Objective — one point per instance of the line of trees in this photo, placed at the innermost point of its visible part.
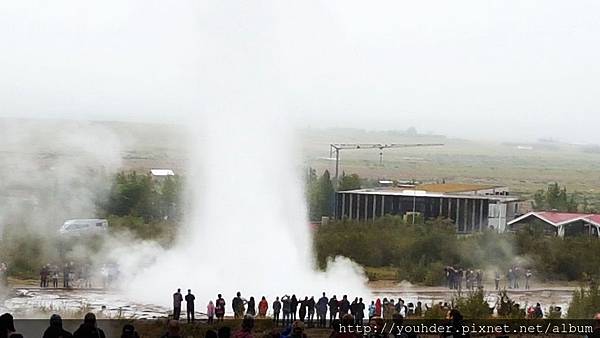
(320, 192)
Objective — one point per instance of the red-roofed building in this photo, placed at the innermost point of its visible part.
(561, 223)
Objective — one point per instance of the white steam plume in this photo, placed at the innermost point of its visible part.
(248, 230)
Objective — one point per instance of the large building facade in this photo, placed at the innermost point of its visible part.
(471, 208)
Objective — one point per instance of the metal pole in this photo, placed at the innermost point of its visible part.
(414, 206)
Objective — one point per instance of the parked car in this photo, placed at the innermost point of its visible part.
(78, 227)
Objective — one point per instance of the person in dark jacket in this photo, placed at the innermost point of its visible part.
(189, 302)
(55, 330)
(238, 306)
(89, 328)
(251, 311)
(321, 308)
(333, 309)
(286, 307)
(302, 313)
(177, 300)
(360, 312)
(293, 307)
(344, 306)
(276, 311)
(311, 310)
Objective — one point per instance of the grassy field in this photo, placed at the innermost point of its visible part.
(524, 167)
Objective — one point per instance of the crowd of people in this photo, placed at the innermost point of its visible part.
(76, 275)
(460, 279)
(288, 309)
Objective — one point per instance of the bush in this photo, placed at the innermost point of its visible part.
(585, 302)
(473, 306)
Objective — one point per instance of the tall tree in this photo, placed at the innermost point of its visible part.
(554, 197)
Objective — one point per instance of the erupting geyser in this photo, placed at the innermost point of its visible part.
(247, 229)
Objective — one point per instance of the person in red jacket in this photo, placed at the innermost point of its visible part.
(263, 306)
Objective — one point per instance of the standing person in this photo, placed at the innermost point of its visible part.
(293, 307)
(220, 308)
(371, 310)
(66, 276)
(263, 307)
(251, 308)
(55, 277)
(55, 330)
(459, 280)
(344, 306)
(177, 299)
(497, 280)
(333, 309)
(511, 278)
(276, 311)
(302, 312)
(517, 275)
(89, 328)
(353, 307)
(44, 277)
(210, 311)
(287, 309)
(189, 306)
(479, 279)
(527, 277)
(322, 311)
(360, 312)
(311, 310)
(378, 307)
(238, 306)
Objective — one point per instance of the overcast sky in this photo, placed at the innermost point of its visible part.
(509, 69)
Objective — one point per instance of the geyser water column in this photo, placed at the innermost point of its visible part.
(247, 229)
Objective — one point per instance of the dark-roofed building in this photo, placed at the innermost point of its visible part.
(471, 207)
(561, 224)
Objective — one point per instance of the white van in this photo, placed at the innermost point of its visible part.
(84, 227)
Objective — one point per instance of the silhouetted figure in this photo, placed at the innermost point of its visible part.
(286, 309)
(293, 307)
(302, 312)
(310, 306)
(220, 308)
(276, 311)
(238, 306)
(344, 306)
(360, 312)
(251, 307)
(7, 326)
(89, 328)
(55, 330)
(333, 309)
(189, 306)
(321, 308)
(129, 332)
(177, 299)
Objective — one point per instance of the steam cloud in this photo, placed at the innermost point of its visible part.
(248, 230)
